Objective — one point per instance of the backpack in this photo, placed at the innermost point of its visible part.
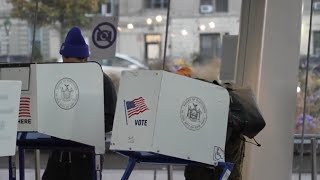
(244, 115)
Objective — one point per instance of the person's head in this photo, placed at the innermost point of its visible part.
(74, 48)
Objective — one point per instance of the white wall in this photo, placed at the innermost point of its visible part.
(54, 44)
(186, 45)
(184, 8)
(271, 69)
(131, 44)
(18, 38)
(234, 6)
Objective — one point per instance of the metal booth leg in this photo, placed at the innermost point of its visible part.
(227, 169)
(37, 164)
(21, 162)
(23, 136)
(98, 166)
(170, 172)
(129, 169)
(12, 167)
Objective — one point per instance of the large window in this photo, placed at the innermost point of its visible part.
(316, 6)
(156, 4)
(206, 2)
(217, 5)
(33, 30)
(316, 42)
(307, 122)
(107, 7)
(210, 45)
(221, 5)
(153, 46)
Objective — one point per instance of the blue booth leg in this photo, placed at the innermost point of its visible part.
(21, 163)
(129, 169)
(227, 169)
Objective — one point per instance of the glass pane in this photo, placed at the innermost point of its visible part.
(195, 38)
(210, 46)
(153, 51)
(120, 62)
(308, 99)
(221, 6)
(15, 34)
(316, 42)
(206, 2)
(156, 4)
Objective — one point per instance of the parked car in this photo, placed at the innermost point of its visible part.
(115, 65)
(121, 62)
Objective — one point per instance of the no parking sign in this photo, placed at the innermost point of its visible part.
(103, 38)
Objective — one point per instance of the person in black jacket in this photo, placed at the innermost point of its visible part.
(76, 165)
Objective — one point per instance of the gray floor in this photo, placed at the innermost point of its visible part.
(114, 165)
(115, 161)
(113, 175)
(136, 175)
(112, 161)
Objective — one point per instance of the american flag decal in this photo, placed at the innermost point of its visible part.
(135, 106)
(24, 111)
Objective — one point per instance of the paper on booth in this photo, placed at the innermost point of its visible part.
(10, 92)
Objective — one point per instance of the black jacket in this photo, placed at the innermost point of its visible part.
(110, 100)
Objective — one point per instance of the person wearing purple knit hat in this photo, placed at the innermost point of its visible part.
(74, 48)
(78, 165)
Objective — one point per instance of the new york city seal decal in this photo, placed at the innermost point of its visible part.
(193, 113)
(66, 93)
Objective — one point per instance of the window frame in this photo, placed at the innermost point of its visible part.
(151, 4)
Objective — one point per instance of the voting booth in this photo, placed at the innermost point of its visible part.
(167, 118)
(9, 109)
(61, 101)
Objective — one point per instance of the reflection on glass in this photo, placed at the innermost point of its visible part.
(312, 121)
(138, 21)
(39, 26)
(197, 29)
(308, 91)
(196, 35)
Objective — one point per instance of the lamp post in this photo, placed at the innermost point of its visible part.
(7, 26)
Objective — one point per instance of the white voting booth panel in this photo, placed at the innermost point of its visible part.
(27, 122)
(66, 101)
(10, 92)
(172, 115)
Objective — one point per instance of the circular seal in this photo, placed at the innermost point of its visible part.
(193, 113)
(66, 93)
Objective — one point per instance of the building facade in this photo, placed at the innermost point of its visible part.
(195, 27)
(16, 38)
